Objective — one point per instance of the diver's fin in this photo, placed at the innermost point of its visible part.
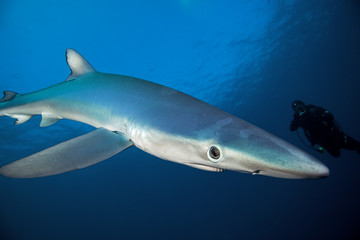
(203, 167)
(76, 153)
(8, 95)
(77, 64)
(20, 118)
(48, 119)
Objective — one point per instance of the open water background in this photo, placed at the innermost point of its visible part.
(250, 58)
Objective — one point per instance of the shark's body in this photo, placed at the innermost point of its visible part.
(159, 120)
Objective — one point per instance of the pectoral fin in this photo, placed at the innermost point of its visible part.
(73, 154)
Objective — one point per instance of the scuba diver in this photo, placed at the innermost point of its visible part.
(321, 129)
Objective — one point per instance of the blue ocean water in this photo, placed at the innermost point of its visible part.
(250, 58)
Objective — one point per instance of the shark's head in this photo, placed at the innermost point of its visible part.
(233, 144)
(239, 146)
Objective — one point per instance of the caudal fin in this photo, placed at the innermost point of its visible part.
(8, 95)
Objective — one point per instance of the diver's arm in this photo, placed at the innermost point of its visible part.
(294, 124)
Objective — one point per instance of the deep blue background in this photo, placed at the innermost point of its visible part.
(250, 58)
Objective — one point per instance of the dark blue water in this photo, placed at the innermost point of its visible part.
(250, 58)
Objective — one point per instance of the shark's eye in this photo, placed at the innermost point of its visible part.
(214, 154)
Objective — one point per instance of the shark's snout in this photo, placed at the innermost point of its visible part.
(258, 152)
(305, 168)
(281, 159)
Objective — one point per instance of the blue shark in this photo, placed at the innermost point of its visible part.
(159, 120)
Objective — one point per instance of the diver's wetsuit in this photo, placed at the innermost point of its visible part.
(320, 129)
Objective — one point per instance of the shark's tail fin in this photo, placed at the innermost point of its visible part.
(8, 95)
(20, 118)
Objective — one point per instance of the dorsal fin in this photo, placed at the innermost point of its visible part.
(8, 95)
(77, 64)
